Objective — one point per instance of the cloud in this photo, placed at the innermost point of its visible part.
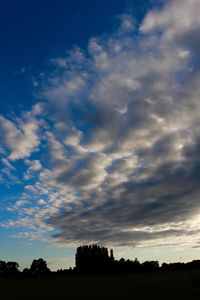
(7, 164)
(33, 166)
(122, 141)
(21, 139)
(177, 18)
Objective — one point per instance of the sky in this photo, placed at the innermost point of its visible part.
(99, 129)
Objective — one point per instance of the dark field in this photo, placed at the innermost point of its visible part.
(167, 285)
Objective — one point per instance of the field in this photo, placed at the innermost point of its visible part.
(168, 285)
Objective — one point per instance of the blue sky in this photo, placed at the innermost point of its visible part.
(99, 129)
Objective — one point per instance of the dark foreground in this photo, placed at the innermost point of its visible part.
(166, 285)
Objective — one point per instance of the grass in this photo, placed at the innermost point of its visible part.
(168, 285)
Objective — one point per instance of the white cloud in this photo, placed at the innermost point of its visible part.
(8, 164)
(35, 165)
(177, 18)
(37, 109)
(41, 202)
(21, 138)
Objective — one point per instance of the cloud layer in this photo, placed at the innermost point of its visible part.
(120, 145)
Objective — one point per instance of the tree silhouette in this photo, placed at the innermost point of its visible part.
(11, 268)
(150, 266)
(93, 258)
(2, 267)
(39, 267)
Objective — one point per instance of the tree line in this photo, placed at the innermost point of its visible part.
(94, 259)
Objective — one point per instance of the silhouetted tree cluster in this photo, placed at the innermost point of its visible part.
(9, 268)
(129, 266)
(38, 267)
(94, 259)
(178, 266)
